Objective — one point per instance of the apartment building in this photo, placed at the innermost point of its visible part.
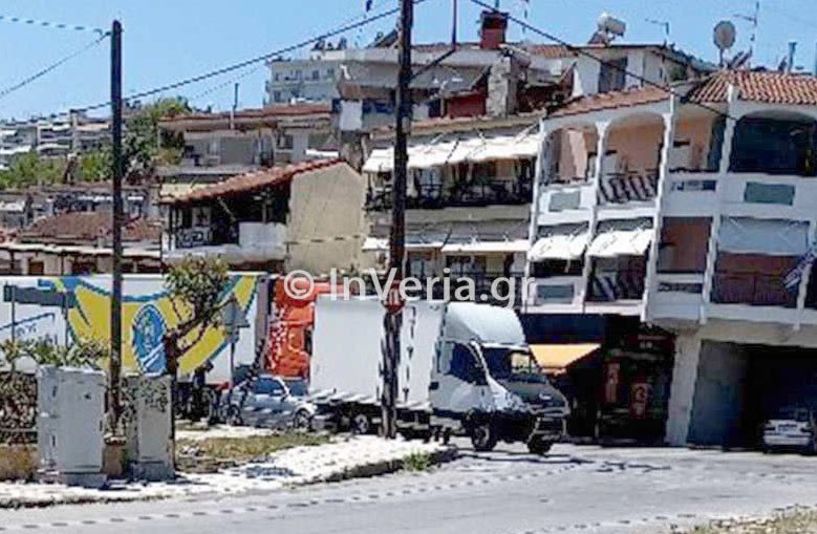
(301, 216)
(310, 79)
(475, 78)
(677, 218)
(53, 136)
(221, 145)
(469, 193)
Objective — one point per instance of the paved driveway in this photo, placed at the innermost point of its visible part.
(575, 489)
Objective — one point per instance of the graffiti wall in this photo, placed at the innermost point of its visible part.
(67, 308)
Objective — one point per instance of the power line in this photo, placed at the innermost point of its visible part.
(246, 63)
(39, 74)
(580, 51)
(52, 25)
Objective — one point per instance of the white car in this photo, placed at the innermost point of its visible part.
(790, 429)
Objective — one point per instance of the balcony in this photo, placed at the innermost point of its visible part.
(616, 286)
(241, 242)
(632, 186)
(753, 289)
(518, 191)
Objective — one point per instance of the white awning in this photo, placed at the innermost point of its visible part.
(380, 244)
(506, 147)
(374, 244)
(559, 247)
(474, 149)
(476, 247)
(432, 155)
(621, 243)
(380, 160)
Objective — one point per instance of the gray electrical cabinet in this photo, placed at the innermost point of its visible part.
(70, 425)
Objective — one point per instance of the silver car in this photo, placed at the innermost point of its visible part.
(267, 401)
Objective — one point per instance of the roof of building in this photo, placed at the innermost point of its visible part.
(254, 181)
(89, 226)
(610, 100)
(758, 86)
(269, 115)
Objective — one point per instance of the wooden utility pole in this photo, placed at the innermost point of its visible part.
(115, 365)
(393, 321)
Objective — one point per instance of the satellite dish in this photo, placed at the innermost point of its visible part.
(724, 35)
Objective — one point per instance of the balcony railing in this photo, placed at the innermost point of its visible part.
(620, 188)
(617, 285)
(754, 289)
(437, 196)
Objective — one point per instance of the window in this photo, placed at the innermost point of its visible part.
(554, 267)
(612, 75)
(316, 74)
(276, 96)
(684, 245)
(774, 146)
(330, 73)
(268, 386)
(464, 365)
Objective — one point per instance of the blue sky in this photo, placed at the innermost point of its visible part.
(166, 40)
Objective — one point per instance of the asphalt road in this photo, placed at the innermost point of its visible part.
(574, 489)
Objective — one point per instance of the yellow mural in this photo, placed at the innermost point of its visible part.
(145, 319)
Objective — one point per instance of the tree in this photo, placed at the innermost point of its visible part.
(31, 169)
(45, 351)
(94, 166)
(145, 144)
(195, 287)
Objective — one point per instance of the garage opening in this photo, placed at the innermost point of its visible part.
(740, 387)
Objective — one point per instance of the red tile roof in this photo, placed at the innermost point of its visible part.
(89, 226)
(254, 181)
(550, 51)
(765, 87)
(611, 100)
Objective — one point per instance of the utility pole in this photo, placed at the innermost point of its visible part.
(115, 365)
(393, 320)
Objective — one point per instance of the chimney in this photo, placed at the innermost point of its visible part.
(790, 58)
(493, 25)
(503, 85)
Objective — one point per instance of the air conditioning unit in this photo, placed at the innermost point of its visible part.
(70, 419)
(147, 421)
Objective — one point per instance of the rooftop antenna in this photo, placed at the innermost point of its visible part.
(754, 18)
(664, 24)
(724, 37)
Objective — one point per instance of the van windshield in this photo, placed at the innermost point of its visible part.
(506, 363)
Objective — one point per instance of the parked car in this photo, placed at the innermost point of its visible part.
(267, 401)
(791, 428)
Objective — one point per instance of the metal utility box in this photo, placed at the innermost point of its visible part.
(70, 425)
(147, 421)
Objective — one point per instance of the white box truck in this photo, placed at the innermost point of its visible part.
(465, 369)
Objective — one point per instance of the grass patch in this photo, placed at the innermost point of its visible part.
(797, 521)
(211, 454)
(417, 462)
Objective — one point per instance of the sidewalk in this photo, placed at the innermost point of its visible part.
(344, 457)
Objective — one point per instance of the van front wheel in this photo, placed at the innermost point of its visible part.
(483, 437)
(539, 446)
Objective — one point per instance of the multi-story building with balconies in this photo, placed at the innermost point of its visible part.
(687, 218)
